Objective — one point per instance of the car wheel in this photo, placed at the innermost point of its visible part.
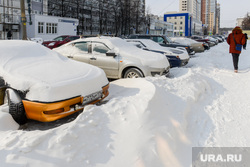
(133, 73)
(16, 108)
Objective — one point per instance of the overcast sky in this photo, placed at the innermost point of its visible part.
(230, 9)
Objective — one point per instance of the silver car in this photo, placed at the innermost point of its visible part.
(116, 57)
(196, 46)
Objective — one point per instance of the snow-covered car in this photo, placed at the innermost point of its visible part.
(215, 41)
(40, 84)
(196, 46)
(116, 57)
(176, 57)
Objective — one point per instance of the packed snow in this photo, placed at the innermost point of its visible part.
(147, 122)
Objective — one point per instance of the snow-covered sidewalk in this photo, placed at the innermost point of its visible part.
(153, 121)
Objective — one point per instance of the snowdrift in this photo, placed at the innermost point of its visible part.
(153, 121)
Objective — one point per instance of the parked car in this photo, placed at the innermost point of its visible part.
(197, 46)
(218, 38)
(40, 84)
(163, 40)
(58, 41)
(203, 40)
(116, 57)
(215, 41)
(176, 57)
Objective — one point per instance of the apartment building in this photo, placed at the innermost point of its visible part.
(194, 8)
(10, 12)
(102, 16)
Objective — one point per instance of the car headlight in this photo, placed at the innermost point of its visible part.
(51, 44)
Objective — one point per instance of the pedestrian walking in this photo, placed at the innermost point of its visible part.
(9, 35)
(236, 40)
(245, 45)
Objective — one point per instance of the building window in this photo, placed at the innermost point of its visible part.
(40, 27)
(175, 17)
(175, 23)
(37, 0)
(181, 22)
(175, 28)
(51, 28)
(180, 28)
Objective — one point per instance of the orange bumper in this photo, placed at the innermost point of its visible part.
(47, 112)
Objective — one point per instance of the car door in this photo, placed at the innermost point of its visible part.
(80, 52)
(110, 64)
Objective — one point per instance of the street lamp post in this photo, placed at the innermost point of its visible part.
(23, 20)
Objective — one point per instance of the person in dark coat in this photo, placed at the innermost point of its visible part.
(245, 45)
(239, 38)
(9, 34)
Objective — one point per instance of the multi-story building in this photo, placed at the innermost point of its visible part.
(10, 12)
(102, 16)
(191, 6)
(194, 8)
(210, 15)
(182, 23)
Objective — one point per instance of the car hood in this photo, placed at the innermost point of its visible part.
(151, 59)
(173, 52)
(45, 74)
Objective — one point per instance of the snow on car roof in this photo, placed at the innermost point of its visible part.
(182, 40)
(26, 65)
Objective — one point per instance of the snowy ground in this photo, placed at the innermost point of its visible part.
(149, 122)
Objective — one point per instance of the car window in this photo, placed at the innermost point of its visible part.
(99, 48)
(83, 46)
(168, 39)
(158, 39)
(73, 38)
(137, 44)
(61, 38)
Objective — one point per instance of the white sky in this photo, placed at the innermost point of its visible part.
(230, 9)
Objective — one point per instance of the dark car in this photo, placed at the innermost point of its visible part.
(163, 40)
(58, 41)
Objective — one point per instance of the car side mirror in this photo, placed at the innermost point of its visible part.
(111, 54)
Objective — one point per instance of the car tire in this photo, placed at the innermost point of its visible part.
(16, 110)
(133, 73)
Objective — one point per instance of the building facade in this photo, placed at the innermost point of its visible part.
(210, 16)
(194, 8)
(49, 27)
(160, 27)
(102, 16)
(10, 12)
(182, 23)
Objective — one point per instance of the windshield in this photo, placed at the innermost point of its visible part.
(61, 38)
(168, 39)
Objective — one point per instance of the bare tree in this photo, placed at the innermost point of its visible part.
(246, 23)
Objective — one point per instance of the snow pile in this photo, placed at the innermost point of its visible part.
(153, 121)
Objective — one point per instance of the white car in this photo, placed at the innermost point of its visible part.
(176, 57)
(40, 84)
(196, 46)
(116, 57)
